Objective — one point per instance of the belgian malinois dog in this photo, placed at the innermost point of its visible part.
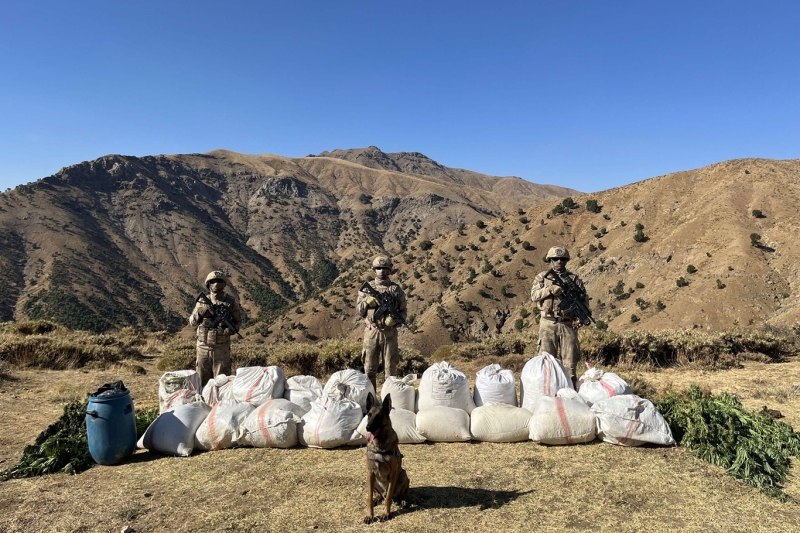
(385, 474)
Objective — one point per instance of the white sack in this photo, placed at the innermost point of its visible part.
(172, 433)
(499, 422)
(542, 376)
(444, 385)
(596, 385)
(443, 424)
(562, 420)
(257, 384)
(494, 384)
(270, 427)
(284, 405)
(303, 391)
(404, 423)
(218, 389)
(402, 391)
(178, 398)
(331, 422)
(350, 384)
(224, 426)
(171, 383)
(631, 421)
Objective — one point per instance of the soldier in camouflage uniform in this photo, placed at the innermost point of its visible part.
(380, 339)
(214, 344)
(558, 333)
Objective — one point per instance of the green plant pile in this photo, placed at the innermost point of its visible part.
(62, 447)
(751, 446)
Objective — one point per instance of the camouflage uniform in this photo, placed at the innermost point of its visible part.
(380, 340)
(214, 345)
(558, 333)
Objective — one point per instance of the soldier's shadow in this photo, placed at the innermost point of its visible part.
(456, 497)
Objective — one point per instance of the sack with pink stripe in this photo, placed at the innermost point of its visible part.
(543, 375)
(271, 427)
(596, 385)
(176, 388)
(628, 420)
(331, 422)
(218, 389)
(257, 384)
(224, 426)
(564, 419)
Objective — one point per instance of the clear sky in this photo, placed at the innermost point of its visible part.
(584, 94)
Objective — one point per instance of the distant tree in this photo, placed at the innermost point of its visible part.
(425, 245)
(755, 239)
(720, 285)
(480, 224)
(758, 214)
(593, 207)
(601, 325)
(639, 236)
(364, 198)
(569, 203)
(520, 211)
(524, 220)
(691, 269)
(636, 207)
(660, 305)
(634, 318)
(681, 282)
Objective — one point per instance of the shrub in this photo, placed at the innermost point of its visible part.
(569, 203)
(634, 318)
(593, 207)
(592, 248)
(601, 325)
(720, 285)
(364, 198)
(639, 226)
(636, 207)
(480, 224)
(425, 245)
(606, 217)
(691, 269)
(481, 238)
(755, 239)
(639, 236)
(758, 214)
(518, 324)
(593, 227)
(639, 285)
(681, 282)
(660, 305)
(524, 220)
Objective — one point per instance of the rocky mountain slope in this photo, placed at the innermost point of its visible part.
(127, 240)
(707, 248)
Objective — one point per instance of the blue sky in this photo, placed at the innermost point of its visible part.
(589, 95)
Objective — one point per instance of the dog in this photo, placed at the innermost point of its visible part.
(385, 473)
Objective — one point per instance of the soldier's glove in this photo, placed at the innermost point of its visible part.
(389, 321)
(556, 290)
(372, 302)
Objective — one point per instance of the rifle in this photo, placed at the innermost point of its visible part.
(572, 301)
(386, 304)
(220, 314)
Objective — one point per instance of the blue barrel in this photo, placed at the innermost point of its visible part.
(111, 427)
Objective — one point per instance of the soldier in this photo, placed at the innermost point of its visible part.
(380, 338)
(558, 333)
(214, 345)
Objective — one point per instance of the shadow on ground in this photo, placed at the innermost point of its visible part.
(456, 497)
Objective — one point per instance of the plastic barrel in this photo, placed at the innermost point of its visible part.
(111, 427)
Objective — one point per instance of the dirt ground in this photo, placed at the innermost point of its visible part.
(455, 487)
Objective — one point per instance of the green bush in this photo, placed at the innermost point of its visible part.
(425, 245)
(593, 207)
(691, 269)
(681, 282)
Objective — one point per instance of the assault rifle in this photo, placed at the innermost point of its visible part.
(572, 302)
(220, 314)
(387, 305)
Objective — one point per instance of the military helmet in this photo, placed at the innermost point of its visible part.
(557, 252)
(382, 262)
(216, 274)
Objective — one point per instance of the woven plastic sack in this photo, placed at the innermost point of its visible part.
(596, 385)
(350, 384)
(543, 375)
(443, 424)
(218, 389)
(284, 405)
(303, 391)
(224, 426)
(269, 427)
(173, 432)
(628, 420)
(494, 384)
(331, 422)
(402, 391)
(404, 424)
(257, 384)
(174, 388)
(565, 419)
(444, 385)
(499, 422)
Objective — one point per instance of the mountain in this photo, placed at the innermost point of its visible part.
(727, 231)
(127, 240)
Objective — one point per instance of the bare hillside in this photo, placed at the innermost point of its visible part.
(471, 283)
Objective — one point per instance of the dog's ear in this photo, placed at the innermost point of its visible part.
(386, 407)
(370, 401)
